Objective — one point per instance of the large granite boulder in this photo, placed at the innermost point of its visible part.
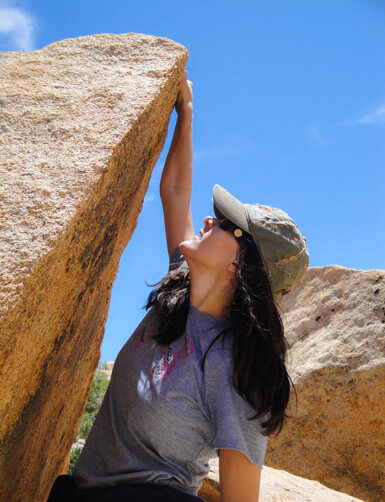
(335, 324)
(83, 122)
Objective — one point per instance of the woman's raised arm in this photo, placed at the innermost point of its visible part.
(176, 181)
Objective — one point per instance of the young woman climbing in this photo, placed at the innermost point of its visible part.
(204, 372)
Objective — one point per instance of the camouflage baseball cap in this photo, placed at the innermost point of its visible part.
(280, 243)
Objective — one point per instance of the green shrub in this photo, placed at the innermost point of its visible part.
(95, 398)
(75, 454)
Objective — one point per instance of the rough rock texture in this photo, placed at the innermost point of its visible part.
(83, 122)
(335, 324)
(277, 486)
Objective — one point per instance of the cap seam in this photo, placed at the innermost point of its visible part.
(274, 223)
(288, 260)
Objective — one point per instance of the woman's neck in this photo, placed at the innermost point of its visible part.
(210, 295)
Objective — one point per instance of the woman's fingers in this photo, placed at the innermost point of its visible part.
(185, 95)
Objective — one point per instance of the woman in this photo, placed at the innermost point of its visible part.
(204, 372)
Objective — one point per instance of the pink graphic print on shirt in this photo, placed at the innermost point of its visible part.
(162, 369)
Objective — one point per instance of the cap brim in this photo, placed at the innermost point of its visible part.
(230, 207)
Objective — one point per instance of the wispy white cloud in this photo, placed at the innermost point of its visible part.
(213, 152)
(316, 135)
(376, 116)
(148, 198)
(235, 145)
(18, 25)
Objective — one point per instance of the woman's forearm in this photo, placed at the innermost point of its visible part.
(177, 170)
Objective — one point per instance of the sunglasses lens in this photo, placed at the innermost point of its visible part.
(231, 227)
(225, 224)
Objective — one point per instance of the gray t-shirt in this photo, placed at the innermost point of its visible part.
(162, 419)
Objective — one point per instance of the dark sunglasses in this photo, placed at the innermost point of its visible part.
(225, 224)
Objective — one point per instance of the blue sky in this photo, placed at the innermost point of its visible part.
(289, 111)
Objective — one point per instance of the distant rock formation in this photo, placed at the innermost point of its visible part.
(83, 123)
(335, 324)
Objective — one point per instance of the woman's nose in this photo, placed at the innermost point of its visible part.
(208, 222)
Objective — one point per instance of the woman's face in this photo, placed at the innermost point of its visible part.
(216, 248)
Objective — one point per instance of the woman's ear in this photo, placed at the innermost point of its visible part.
(232, 267)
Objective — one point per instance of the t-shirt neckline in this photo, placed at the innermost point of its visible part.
(206, 318)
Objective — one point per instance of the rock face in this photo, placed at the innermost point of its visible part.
(335, 323)
(277, 486)
(83, 122)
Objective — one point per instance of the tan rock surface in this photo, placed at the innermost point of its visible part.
(335, 324)
(83, 122)
(277, 486)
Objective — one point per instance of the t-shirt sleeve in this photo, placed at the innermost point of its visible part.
(176, 259)
(228, 412)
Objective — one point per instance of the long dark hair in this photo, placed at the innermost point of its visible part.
(259, 345)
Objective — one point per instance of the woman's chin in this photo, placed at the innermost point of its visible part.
(189, 244)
